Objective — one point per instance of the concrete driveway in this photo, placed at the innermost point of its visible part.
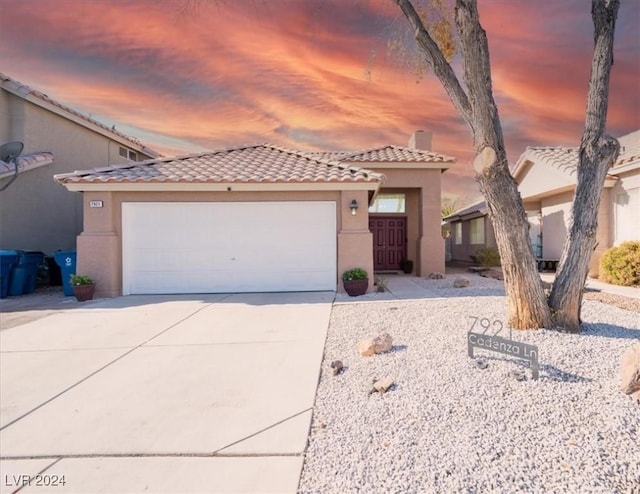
(210, 393)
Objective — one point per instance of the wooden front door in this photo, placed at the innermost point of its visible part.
(389, 241)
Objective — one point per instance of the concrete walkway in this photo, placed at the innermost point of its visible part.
(210, 393)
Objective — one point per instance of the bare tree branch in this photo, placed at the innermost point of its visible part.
(441, 68)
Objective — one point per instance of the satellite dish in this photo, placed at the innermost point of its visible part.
(10, 150)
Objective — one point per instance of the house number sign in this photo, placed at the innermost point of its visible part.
(95, 204)
(495, 343)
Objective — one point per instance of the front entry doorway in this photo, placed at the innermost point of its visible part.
(389, 241)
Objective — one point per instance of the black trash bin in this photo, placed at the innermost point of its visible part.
(55, 275)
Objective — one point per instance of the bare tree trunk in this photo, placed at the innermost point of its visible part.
(597, 153)
(526, 300)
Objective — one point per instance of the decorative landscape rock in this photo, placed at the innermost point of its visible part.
(630, 371)
(436, 276)
(493, 274)
(337, 367)
(480, 363)
(383, 385)
(365, 347)
(461, 282)
(518, 375)
(380, 344)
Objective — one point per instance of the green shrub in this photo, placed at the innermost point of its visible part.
(487, 257)
(621, 265)
(354, 274)
(80, 279)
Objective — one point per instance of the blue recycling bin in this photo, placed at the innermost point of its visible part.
(66, 259)
(8, 258)
(24, 276)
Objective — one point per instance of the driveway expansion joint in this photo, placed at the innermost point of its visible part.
(108, 364)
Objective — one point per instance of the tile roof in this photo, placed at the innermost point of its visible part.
(629, 148)
(478, 207)
(25, 163)
(23, 91)
(565, 158)
(263, 163)
(388, 154)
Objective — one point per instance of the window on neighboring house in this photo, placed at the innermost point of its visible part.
(477, 231)
(388, 203)
(457, 233)
(127, 153)
(627, 219)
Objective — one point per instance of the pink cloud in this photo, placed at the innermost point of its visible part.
(293, 73)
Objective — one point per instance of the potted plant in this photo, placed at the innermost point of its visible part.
(83, 287)
(355, 282)
(406, 265)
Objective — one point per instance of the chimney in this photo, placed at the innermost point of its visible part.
(421, 140)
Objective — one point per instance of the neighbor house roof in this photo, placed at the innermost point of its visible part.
(389, 154)
(25, 163)
(248, 165)
(468, 212)
(38, 98)
(565, 159)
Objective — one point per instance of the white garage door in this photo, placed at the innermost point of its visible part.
(195, 247)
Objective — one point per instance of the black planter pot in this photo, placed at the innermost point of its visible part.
(356, 287)
(406, 266)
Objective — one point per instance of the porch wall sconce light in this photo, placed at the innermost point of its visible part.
(354, 207)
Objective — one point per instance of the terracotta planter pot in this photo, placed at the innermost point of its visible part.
(84, 292)
(356, 287)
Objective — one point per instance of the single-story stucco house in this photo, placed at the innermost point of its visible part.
(259, 218)
(547, 178)
(37, 214)
(469, 230)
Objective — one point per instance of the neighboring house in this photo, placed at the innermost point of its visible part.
(37, 214)
(259, 218)
(547, 178)
(469, 231)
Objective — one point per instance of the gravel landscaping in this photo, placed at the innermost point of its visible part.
(449, 426)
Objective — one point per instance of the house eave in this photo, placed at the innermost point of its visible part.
(83, 122)
(373, 165)
(218, 187)
(624, 168)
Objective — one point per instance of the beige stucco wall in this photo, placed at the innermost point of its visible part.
(100, 244)
(464, 250)
(556, 211)
(536, 180)
(628, 181)
(37, 213)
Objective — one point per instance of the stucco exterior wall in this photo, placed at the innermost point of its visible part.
(464, 250)
(628, 183)
(556, 211)
(100, 243)
(37, 213)
(539, 180)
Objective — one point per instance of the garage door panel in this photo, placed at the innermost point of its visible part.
(229, 247)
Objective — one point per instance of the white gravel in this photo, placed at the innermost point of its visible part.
(450, 427)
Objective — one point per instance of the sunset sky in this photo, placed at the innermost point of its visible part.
(185, 76)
